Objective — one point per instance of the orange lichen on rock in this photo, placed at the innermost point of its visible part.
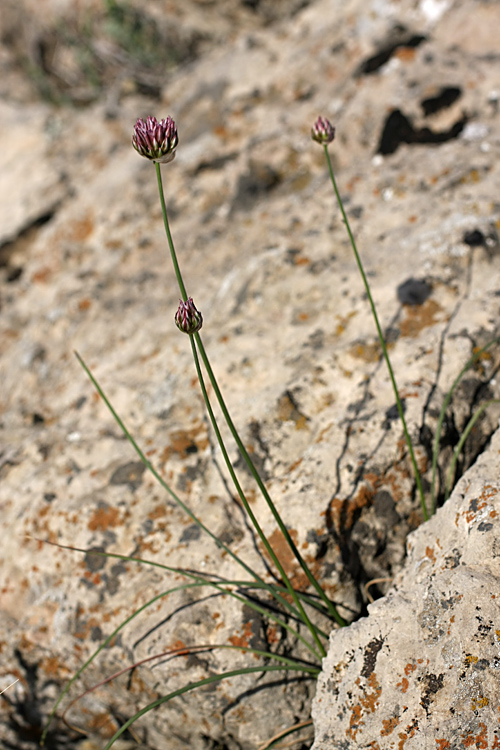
(389, 726)
(184, 442)
(104, 518)
(242, 640)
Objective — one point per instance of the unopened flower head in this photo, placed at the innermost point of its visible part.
(187, 318)
(323, 131)
(155, 140)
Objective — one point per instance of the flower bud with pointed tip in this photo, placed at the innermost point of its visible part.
(155, 140)
(323, 131)
(187, 318)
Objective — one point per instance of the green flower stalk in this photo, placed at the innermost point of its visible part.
(155, 140)
(197, 346)
(187, 318)
(323, 133)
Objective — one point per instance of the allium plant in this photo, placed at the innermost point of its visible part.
(187, 318)
(323, 132)
(157, 141)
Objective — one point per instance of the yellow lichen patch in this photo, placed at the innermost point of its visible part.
(54, 667)
(104, 723)
(481, 702)
(469, 659)
(158, 512)
(368, 703)
(283, 551)
(288, 412)
(343, 512)
(471, 177)
(343, 321)
(79, 229)
(418, 317)
(367, 352)
(403, 684)
(479, 740)
(429, 552)
(355, 722)
(405, 54)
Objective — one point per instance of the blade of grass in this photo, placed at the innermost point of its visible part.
(8, 686)
(201, 683)
(439, 427)
(463, 438)
(285, 733)
(199, 580)
(172, 653)
(172, 494)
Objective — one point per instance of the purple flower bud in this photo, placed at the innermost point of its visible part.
(155, 140)
(187, 318)
(323, 131)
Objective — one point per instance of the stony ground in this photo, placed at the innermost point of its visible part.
(413, 92)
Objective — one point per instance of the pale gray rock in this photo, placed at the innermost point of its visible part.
(287, 327)
(422, 670)
(27, 161)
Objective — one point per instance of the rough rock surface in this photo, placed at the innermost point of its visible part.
(413, 91)
(422, 670)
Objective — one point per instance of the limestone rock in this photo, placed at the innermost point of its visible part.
(27, 161)
(422, 669)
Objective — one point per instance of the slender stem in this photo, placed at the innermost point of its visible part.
(381, 339)
(169, 236)
(244, 453)
(312, 629)
(246, 457)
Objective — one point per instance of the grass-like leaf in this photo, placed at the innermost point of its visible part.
(207, 681)
(198, 580)
(273, 590)
(171, 653)
(437, 438)
(465, 434)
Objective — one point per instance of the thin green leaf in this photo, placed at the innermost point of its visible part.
(465, 434)
(249, 511)
(185, 508)
(186, 651)
(201, 683)
(243, 451)
(442, 413)
(199, 581)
